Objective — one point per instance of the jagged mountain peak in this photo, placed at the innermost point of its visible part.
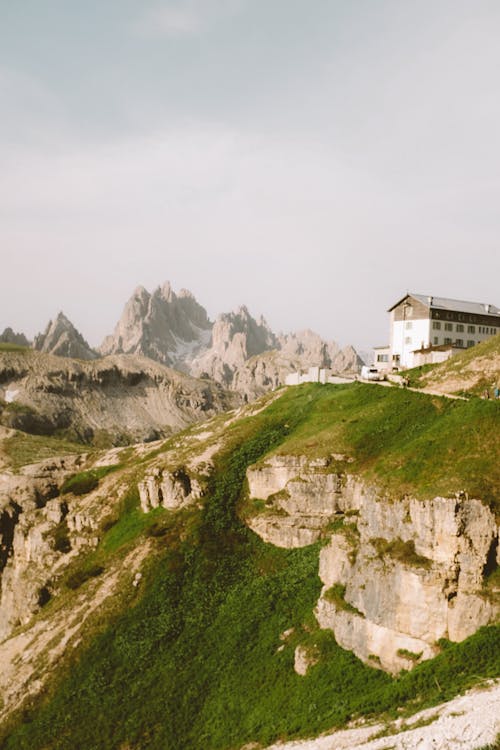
(164, 326)
(9, 336)
(63, 339)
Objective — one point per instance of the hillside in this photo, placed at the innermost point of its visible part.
(473, 371)
(156, 618)
(110, 401)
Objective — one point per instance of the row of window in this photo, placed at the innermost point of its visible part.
(459, 328)
(458, 342)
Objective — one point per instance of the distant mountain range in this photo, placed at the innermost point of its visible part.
(237, 350)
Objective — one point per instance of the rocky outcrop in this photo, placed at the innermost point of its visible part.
(168, 489)
(236, 337)
(169, 328)
(122, 397)
(398, 575)
(62, 339)
(303, 497)
(37, 529)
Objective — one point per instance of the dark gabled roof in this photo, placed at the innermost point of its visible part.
(443, 303)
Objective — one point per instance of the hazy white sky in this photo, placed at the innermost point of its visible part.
(312, 159)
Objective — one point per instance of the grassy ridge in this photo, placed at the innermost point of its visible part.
(406, 442)
(195, 664)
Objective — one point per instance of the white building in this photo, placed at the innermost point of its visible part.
(313, 375)
(427, 329)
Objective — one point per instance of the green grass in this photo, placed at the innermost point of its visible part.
(407, 443)
(86, 481)
(195, 663)
(403, 552)
(23, 448)
(336, 595)
(17, 348)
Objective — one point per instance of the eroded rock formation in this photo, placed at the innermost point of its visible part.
(168, 489)
(398, 575)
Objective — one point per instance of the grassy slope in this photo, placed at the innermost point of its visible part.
(406, 442)
(22, 448)
(481, 363)
(195, 663)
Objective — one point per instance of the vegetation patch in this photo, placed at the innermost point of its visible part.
(17, 348)
(405, 654)
(401, 551)
(60, 537)
(80, 576)
(23, 449)
(86, 481)
(336, 595)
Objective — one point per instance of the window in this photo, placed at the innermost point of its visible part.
(470, 343)
(471, 329)
(460, 328)
(408, 325)
(447, 341)
(436, 325)
(408, 340)
(382, 357)
(448, 327)
(435, 341)
(459, 342)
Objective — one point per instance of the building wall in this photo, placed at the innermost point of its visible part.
(409, 335)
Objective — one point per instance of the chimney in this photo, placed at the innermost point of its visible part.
(429, 300)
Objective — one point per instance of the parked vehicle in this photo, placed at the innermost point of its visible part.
(371, 373)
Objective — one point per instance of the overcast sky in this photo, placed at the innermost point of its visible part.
(312, 159)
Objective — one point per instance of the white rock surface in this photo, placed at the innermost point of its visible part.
(468, 722)
(412, 571)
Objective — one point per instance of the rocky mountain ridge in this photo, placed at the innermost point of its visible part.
(238, 351)
(119, 398)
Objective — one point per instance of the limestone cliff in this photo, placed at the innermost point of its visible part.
(398, 575)
(39, 532)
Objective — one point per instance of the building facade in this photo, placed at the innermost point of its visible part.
(430, 329)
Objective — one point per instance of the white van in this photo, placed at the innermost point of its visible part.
(371, 373)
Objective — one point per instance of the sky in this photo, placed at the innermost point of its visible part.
(312, 159)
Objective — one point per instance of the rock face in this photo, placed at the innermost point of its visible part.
(9, 337)
(128, 398)
(398, 575)
(301, 499)
(168, 489)
(164, 326)
(236, 337)
(62, 339)
(31, 514)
